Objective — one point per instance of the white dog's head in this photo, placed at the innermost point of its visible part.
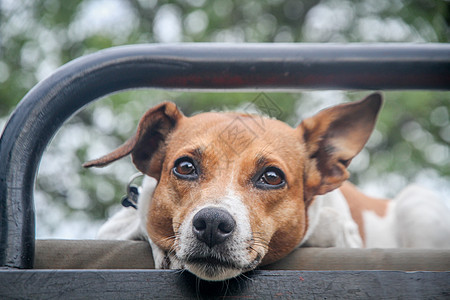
(233, 189)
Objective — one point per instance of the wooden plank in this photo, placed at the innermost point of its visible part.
(261, 284)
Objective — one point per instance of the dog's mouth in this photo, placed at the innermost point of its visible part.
(212, 269)
(212, 261)
(217, 269)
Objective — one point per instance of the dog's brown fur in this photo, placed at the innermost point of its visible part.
(232, 148)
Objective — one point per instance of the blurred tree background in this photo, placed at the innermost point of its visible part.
(410, 144)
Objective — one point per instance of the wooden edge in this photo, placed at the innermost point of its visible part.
(263, 284)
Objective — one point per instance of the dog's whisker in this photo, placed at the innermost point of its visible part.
(173, 237)
(172, 250)
(179, 272)
(245, 277)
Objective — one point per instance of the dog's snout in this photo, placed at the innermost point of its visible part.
(213, 225)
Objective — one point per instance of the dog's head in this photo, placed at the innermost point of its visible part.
(233, 189)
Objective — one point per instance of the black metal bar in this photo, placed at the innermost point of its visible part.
(204, 66)
(152, 284)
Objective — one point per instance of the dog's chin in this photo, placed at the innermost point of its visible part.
(212, 269)
(212, 272)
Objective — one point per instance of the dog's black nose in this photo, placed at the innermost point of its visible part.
(213, 225)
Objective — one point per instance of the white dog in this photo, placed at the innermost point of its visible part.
(226, 192)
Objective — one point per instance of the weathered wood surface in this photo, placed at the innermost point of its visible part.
(157, 284)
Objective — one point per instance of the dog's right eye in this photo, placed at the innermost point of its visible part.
(272, 178)
(185, 169)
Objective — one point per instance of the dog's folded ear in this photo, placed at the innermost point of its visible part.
(333, 137)
(147, 145)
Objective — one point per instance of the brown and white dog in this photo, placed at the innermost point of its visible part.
(226, 192)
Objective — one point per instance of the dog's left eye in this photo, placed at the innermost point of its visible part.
(272, 178)
(185, 168)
